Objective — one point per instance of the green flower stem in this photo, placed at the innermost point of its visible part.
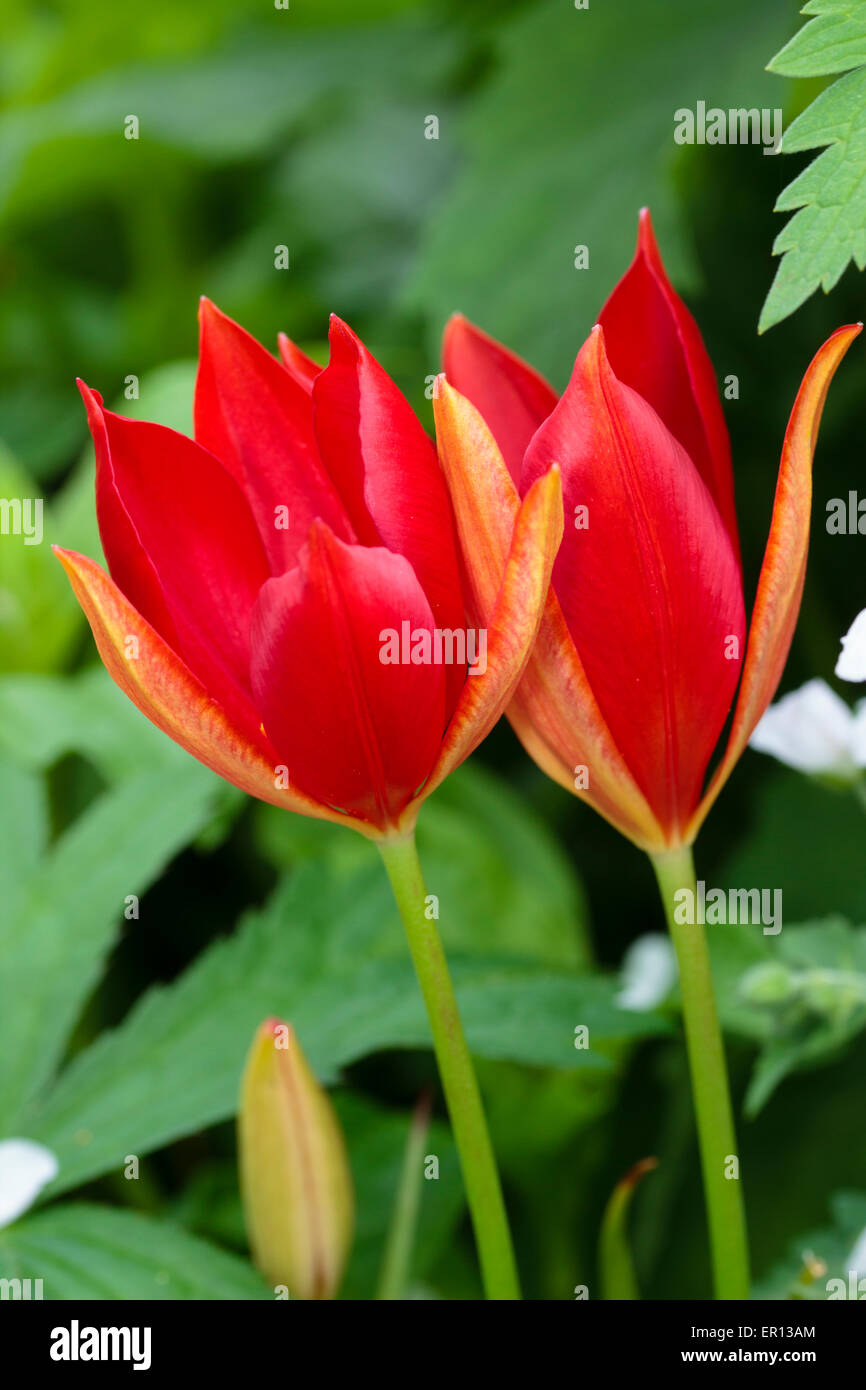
(480, 1175)
(399, 1242)
(712, 1100)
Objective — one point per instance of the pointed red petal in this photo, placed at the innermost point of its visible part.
(303, 368)
(511, 628)
(257, 419)
(180, 540)
(650, 587)
(654, 345)
(357, 731)
(510, 395)
(388, 476)
(128, 560)
(554, 711)
(166, 691)
(780, 586)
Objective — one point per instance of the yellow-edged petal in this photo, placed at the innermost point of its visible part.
(155, 678)
(553, 710)
(511, 628)
(783, 572)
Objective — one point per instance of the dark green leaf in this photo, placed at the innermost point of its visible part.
(83, 1251)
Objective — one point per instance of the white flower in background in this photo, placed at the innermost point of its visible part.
(851, 665)
(857, 1258)
(649, 970)
(25, 1168)
(813, 730)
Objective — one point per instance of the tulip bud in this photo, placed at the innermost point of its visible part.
(295, 1178)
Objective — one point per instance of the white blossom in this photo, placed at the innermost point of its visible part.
(815, 731)
(649, 970)
(25, 1168)
(851, 665)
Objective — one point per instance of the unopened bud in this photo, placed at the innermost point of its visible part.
(295, 1178)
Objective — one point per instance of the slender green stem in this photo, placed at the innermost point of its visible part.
(712, 1100)
(397, 1260)
(480, 1175)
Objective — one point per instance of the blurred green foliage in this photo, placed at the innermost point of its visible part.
(304, 127)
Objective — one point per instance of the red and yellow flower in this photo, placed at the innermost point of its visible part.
(643, 643)
(255, 567)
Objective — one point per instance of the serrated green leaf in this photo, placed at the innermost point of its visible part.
(502, 879)
(69, 907)
(544, 167)
(834, 41)
(828, 229)
(314, 957)
(83, 1251)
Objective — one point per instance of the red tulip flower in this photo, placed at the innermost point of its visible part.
(255, 568)
(286, 602)
(643, 642)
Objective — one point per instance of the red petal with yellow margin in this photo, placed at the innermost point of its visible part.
(783, 572)
(165, 690)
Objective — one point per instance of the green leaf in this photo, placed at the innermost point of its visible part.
(39, 616)
(43, 718)
(562, 148)
(834, 41)
(801, 995)
(23, 832)
(828, 229)
(615, 1263)
(820, 1256)
(825, 1006)
(316, 957)
(69, 905)
(219, 108)
(502, 879)
(83, 1251)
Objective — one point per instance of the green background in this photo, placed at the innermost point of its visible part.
(304, 127)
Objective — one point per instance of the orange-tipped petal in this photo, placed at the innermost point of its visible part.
(780, 586)
(553, 711)
(511, 627)
(511, 396)
(165, 690)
